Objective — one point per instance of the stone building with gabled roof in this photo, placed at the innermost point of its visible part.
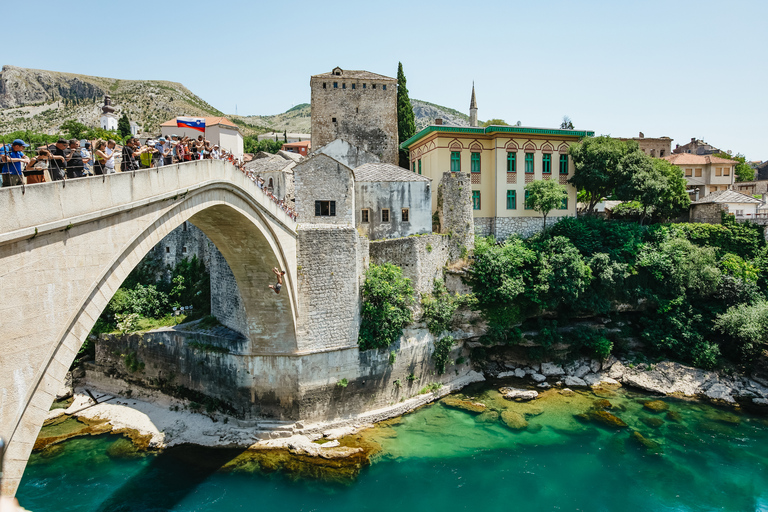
(704, 174)
(708, 208)
(357, 106)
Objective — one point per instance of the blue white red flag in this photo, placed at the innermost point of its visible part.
(195, 123)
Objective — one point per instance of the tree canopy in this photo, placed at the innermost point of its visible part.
(596, 166)
(495, 122)
(567, 124)
(656, 184)
(544, 196)
(124, 126)
(406, 121)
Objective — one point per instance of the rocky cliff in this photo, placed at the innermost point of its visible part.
(34, 99)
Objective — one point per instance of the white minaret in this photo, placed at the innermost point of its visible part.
(108, 119)
(473, 108)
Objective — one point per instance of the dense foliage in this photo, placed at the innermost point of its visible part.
(406, 120)
(696, 290)
(387, 296)
(544, 196)
(252, 144)
(144, 297)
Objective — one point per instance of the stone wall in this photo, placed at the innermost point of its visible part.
(226, 301)
(706, 213)
(185, 241)
(454, 208)
(321, 178)
(329, 262)
(365, 117)
(504, 227)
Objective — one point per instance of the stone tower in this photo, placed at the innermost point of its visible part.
(357, 106)
(473, 108)
(108, 118)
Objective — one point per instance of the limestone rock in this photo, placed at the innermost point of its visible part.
(538, 377)
(760, 401)
(551, 369)
(487, 417)
(514, 420)
(518, 394)
(465, 405)
(574, 381)
(602, 416)
(720, 392)
(594, 366)
(519, 373)
(504, 375)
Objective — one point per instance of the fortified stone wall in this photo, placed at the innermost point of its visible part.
(226, 301)
(329, 259)
(364, 116)
(504, 227)
(422, 258)
(454, 208)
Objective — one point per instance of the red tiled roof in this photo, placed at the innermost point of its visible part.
(302, 143)
(209, 121)
(691, 159)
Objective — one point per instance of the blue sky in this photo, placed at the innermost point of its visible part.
(677, 68)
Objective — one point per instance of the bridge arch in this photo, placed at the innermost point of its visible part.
(65, 248)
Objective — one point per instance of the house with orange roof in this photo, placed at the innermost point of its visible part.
(218, 130)
(705, 174)
(302, 148)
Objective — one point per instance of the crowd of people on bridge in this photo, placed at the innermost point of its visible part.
(68, 159)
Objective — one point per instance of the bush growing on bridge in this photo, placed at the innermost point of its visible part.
(387, 296)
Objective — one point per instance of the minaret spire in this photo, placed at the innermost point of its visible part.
(473, 108)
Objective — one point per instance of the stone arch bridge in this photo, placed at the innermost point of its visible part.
(65, 248)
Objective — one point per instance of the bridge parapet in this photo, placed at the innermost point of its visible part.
(44, 207)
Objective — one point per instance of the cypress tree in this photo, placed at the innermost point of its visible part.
(406, 121)
(124, 126)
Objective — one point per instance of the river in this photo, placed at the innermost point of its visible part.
(692, 456)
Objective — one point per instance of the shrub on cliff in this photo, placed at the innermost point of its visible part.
(746, 329)
(387, 296)
(439, 307)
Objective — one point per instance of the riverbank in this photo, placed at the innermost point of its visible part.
(158, 421)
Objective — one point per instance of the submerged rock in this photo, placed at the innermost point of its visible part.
(551, 369)
(514, 420)
(648, 444)
(603, 417)
(656, 405)
(465, 405)
(652, 421)
(518, 394)
(674, 416)
(726, 417)
(603, 404)
(487, 417)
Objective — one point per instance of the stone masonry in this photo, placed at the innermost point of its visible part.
(504, 227)
(454, 207)
(359, 107)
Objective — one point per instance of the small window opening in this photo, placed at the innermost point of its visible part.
(333, 119)
(405, 214)
(365, 215)
(373, 86)
(323, 85)
(353, 86)
(325, 208)
(385, 215)
(167, 250)
(184, 227)
(384, 87)
(343, 86)
(363, 86)
(184, 249)
(335, 85)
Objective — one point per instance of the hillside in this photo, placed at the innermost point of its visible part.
(42, 100)
(39, 100)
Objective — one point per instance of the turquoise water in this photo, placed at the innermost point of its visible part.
(696, 458)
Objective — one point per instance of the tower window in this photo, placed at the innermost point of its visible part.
(353, 86)
(335, 85)
(385, 215)
(343, 86)
(406, 215)
(167, 250)
(365, 215)
(363, 86)
(325, 208)
(184, 249)
(333, 119)
(323, 85)
(184, 226)
(373, 86)
(384, 87)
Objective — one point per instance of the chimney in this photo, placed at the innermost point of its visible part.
(439, 121)
(693, 139)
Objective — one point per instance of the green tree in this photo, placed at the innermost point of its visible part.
(596, 162)
(495, 122)
(387, 296)
(746, 327)
(658, 185)
(406, 121)
(73, 129)
(567, 124)
(673, 199)
(544, 196)
(124, 126)
(743, 171)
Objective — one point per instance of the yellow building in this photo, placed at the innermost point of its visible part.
(705, 174)
(500, 160)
